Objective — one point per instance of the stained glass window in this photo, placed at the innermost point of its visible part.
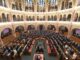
(3, 3)
(29, 2)
(52, 2)
(41, 3)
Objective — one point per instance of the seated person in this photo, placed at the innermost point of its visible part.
(40, 49)
(74, 56)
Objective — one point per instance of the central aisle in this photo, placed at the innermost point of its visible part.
(46, 56)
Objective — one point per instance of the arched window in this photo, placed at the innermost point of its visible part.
(4, 19)
(70, 4)
(13, 6)
(55, 18)
(69, 17)
(60, 18)
(52, 5)
(48, 18)
(20, 7)
(67, 4)
(14, 18)
(18, 18)
(21, 18)
(8, 17)
(29, 5)
(52, 18)
(6, 32)
(30, 18)
(64, 18)
(19, 29)
(62, 7)
(56, 7)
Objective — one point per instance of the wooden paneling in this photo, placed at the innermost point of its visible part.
(75, 39)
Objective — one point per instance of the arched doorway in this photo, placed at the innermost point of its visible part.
(63, 30)
(19, 29)
(41, 27)
(6, 32)
(51, 27)
(30, 27)
(7, 36)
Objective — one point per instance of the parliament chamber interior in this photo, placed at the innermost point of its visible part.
(39, 29)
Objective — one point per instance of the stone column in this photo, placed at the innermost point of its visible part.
(35, 5)
(14, 34)
(57, 27)
(69, 30)
(35, 9)
(10, 17)
(46, 5)
(23, 5)
(46, 17)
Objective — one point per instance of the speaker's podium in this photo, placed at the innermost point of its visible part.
(38, 57)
